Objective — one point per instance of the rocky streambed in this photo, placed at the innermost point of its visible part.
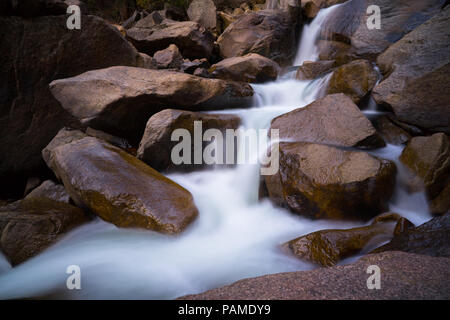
(88, 178)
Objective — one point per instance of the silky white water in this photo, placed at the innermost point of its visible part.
(235, 236)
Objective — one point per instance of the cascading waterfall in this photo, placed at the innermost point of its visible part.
(235, 236)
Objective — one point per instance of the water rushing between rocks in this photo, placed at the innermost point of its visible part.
(235, 236)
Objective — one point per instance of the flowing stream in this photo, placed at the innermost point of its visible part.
(235, 236)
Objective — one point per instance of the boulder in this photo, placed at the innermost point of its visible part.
(116, 141)
(252, 68)
(29, 226)
(270, 33)
(117, 187)
(403, 276)
(120, 100)
(355, 79)
(150, 20)
(347, 26)
(417, 68)
(390, 132)
(312, 7)
(201, 72)
(29, 115)
(310, 70)
(428, 159)
(332, 120)
(431, 238)
(50, 190)
(189, 66)
(204, 13)
(156, 145)
(321, 181)
(193, 40)
(327, 247)
(169, 58)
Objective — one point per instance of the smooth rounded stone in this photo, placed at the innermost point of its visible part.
(428, 160)
(193, 40)
(327, 247)
(29, 226)
(403, 276)
(120, 100)
(270, 33)
(355, 79)
(390, 132)
(156, 144)
(169, 58)
(320, 181)
(119, 188)
(29, 115)
(332, 120)
(252, 68)
(310, 70)
(50, 190)
(203, 12)
(431, 238)
(417, 68)
(347, 33)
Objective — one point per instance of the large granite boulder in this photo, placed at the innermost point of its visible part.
(355, 79)
(417, 71)
(270, 33)
(34, 52)
(428, 161)
(332, 120)
(321, 181)
(116, 186)
(403, 276)
(204, 13)
(29, 226)
(120, 100)
(156, 144)
(346, 36)
(252, 68)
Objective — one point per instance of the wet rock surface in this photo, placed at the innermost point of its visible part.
(156, 145)
(332, 120)
(416, 69)
(320, 181)
(252, 68)
(118, 187)
(405, 276)
(120, 100)
(29, 226)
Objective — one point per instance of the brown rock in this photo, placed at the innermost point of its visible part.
(270, 33)
(119, 100)
(320, 181)
(333, 120)
(193, 40)
(417, 83)
(118, 187)
(346, 29)
(50, 190)
(314, 69)
(403, 276)
(328, 247)
(250, 68)
(312, 7)
(431, 238)
(428, 158)
(169, 58)
(29, 226)
(355, 79)
(190, 66)
(29, 115)
(390, 132)
(156, 145)
(203, 12)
